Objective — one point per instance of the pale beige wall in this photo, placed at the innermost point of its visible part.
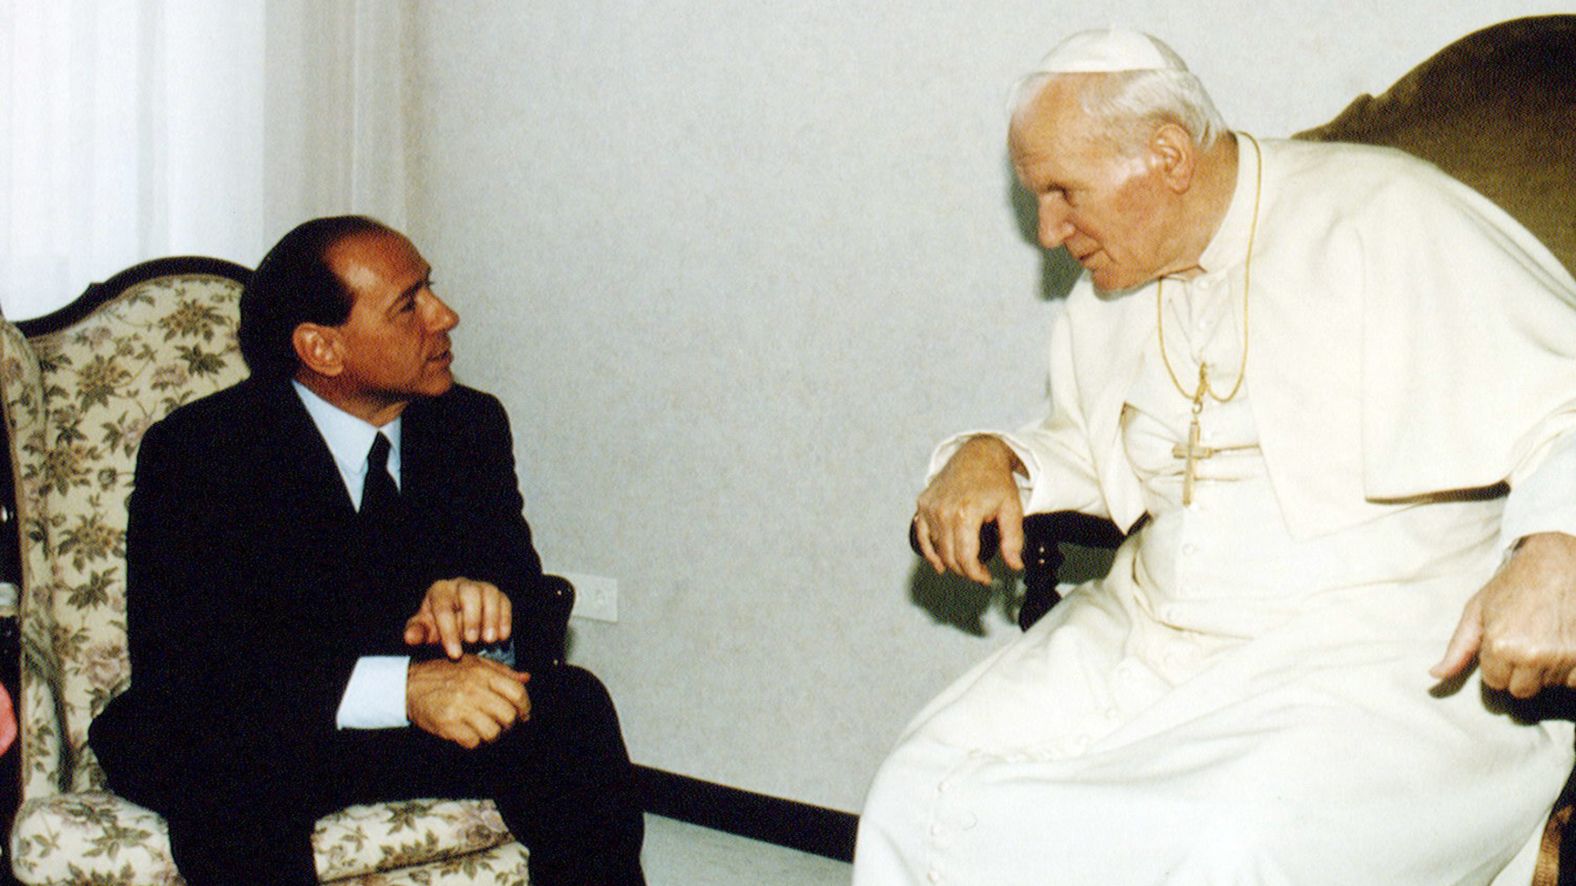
(734, 267)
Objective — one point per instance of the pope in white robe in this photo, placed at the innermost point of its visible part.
(1342, 386)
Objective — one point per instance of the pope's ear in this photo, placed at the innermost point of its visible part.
(317, 347)
(1173, 154)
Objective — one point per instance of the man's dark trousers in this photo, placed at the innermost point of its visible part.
(562, 781)
(252, 591)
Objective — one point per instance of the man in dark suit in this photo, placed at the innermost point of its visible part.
(311, 556)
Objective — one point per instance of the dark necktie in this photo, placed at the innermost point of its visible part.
(378, 493)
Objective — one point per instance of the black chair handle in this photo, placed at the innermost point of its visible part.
(541, 633)
(1042, 556)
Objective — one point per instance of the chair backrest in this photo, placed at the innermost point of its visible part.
(1494, 109)
(79, 389)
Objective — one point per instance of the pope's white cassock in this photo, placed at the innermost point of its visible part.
(1245, 698)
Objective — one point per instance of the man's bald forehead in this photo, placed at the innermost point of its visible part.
(1109, 51)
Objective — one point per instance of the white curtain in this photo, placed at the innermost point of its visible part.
(135, 129)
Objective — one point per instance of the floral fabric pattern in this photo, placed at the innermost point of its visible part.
(77, 403)
(97, 837)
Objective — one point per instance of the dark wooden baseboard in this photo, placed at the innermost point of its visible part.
(815, 829)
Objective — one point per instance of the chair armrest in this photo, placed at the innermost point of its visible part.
(542, 632)
(1043, 534)
(1042, 556)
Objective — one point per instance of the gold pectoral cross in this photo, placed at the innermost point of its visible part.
(1193, 451)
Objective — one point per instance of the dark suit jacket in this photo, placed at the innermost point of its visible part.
(253, 588)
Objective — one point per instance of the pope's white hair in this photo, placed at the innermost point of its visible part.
(1133, 103)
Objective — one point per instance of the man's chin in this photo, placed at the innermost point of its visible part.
(440, 384)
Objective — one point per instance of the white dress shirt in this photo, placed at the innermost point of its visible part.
(375, 696)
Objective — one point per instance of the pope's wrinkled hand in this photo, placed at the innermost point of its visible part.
(1521, 626)
(976, 486)
(456, 611)
(469, 702)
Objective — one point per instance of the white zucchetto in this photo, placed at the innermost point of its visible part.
(1109, 51)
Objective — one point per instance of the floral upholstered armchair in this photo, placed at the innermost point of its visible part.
(79, 389)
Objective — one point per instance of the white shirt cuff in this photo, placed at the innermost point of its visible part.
(1545, 501)
(375, 696)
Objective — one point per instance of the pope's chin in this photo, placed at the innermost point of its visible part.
(1105, 277)
(1108, 281)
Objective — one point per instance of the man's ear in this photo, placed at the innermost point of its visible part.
(1173, 154)
(317, 347)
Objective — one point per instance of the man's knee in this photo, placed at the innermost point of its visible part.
(575, 686)
(572, 703)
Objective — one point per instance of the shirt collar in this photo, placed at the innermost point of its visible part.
(349, 438)
(1229, 246)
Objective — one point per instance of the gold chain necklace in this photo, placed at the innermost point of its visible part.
(1193, 451)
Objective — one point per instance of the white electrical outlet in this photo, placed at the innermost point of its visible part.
(596, 597)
